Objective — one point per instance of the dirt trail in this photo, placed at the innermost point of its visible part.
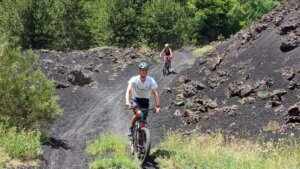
(88, 112)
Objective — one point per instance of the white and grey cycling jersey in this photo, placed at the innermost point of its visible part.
(142, 90)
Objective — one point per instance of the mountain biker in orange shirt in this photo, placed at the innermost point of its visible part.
(168, 55)
(140, 88)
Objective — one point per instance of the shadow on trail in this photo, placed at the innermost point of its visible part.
(172, 72)
(56, 143)
(151, 163)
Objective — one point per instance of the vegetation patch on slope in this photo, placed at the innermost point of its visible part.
(217, 151)
(200, 52)
(109, 151)
(19, 146)
(27, 104)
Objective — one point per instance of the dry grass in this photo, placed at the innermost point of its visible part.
(19, 164)
(179, 94)
(263, 95)
(214, 151)
(144, 48)
(272, 126)
(4, 157)
(103, 47)
(200, 52)
(190, 63)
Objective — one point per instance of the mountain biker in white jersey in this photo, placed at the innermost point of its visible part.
(140, 88)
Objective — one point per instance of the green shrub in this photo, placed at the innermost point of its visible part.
(27, 97)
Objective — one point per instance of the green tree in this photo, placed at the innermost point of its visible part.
(98, 21)
(77, 34)
(27, 97)
(255, 9)
(41, 29)
(53, 24)
(164, 21)
(213, 18)
(124, 21)
(11, 21)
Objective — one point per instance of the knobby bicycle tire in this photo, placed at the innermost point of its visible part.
(147, 144)
(166, 70)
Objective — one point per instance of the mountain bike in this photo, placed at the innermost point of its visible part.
(140, 142)
(166, 69)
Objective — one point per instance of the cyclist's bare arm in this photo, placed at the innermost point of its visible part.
(171, 54)
(161, 52)
(128, 95)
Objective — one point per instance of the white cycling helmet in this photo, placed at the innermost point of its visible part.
(166, 45)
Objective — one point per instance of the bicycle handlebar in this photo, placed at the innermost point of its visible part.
(143, 109)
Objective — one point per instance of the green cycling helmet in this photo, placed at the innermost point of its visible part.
(144, 65)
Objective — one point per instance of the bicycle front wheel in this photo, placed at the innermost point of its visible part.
(146, 144)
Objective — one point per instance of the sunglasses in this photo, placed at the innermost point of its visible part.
(143, 69)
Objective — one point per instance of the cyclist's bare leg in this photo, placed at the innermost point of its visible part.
(135, 117)
(169, 65)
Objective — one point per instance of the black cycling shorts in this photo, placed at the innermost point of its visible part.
(141, 103)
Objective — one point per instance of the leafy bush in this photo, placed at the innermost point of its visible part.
(27, 97)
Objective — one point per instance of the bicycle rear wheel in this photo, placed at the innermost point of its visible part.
(166, 70)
